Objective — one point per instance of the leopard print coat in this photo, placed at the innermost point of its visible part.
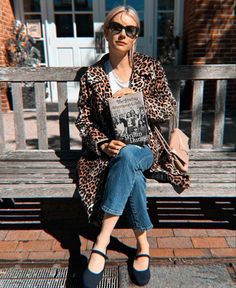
(95, 125)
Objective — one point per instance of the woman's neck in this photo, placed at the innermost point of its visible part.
(121, 66)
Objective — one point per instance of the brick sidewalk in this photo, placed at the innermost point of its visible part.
(22, 245)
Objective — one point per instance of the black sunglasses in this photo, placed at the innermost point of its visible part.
(116, 28)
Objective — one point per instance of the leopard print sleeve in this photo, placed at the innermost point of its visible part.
(160, 103)
(87, 125)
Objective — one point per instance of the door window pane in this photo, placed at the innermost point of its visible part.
(165, 22)
(32, 6)
(39, 46)
(83, 5)
(141, 18)
(166, 4)
(64, 25)
(110, 4)
(82, 29)
(137, 5)
(63, 5)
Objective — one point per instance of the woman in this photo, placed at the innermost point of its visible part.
(110, 172)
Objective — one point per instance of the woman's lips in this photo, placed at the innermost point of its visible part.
(121, 43)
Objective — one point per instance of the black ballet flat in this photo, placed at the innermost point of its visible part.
(140, 277)
(91, 279)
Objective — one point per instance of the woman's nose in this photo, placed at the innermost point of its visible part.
(122, 32)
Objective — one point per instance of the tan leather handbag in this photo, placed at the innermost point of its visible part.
(178, 147)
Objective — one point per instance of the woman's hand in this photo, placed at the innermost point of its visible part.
(112, 148)
(123, 92)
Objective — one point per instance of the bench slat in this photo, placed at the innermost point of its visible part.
(18, 116)
(196, 114)
(41, 115)
(64, 178)
(2, 133)
(219, 122)
(223, 190)
(52, 155)
(183, 72)
(63, 115)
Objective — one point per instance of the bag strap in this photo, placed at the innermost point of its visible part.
(162, 140)
(174, 122)
(161, 137)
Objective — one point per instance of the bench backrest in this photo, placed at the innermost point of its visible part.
(41, 76)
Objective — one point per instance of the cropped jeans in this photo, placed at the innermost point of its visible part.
(125, 186)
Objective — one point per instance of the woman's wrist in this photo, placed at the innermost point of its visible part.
(102, 145)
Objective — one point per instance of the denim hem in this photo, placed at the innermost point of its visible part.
(142, 228)
(111, 211)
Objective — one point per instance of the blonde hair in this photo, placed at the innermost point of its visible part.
(130, 11)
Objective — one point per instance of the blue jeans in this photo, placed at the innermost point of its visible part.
(125, 186)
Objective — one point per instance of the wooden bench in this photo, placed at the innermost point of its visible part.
(46, 172)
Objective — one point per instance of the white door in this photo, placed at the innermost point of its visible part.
(70, 37)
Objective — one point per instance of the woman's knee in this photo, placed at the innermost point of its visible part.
(127, 155)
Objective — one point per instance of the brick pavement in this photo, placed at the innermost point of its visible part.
(22, 245)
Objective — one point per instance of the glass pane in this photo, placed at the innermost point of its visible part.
(141, 17)
(166, 4)
(39, 46)
(83, 5)
(165, 51)
(110, 4)
(138, 5)
(64, 25)
(165, 23)
(62, 5)
(84, 30)
(32, 6)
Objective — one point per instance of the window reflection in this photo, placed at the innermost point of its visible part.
(64, 25)
(83, 5)
(82, 29)
(32, 6)
(63, 5)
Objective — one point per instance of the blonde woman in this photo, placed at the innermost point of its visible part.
(111, 173)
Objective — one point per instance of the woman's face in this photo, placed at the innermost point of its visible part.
(120, 42)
